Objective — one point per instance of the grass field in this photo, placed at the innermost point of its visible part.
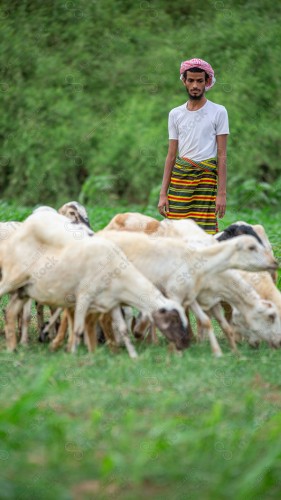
(102, 426)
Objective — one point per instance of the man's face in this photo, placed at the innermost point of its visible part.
(195, 85)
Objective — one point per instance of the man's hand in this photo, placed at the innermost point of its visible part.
(163, 205)
(220, 205)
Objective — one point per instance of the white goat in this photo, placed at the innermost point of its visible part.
(256, 230)
(180, 272)
(88, 275)
(195, 236)
(265, 288)
(252, 316)
(7, 230)
(186, 229)
(77, 213)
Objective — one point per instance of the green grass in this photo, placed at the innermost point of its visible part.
(102, 426)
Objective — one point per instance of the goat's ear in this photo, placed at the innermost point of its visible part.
(162, 318)
(165, 319)
(267, 303)
(259, 229)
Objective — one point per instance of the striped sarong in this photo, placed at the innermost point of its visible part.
(192, 192)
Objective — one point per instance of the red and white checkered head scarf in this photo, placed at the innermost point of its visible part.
(199, 63)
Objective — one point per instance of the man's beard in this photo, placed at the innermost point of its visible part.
(195, 97)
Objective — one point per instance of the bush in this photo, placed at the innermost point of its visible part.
(86, 90)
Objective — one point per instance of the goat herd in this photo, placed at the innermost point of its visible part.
(94, 282)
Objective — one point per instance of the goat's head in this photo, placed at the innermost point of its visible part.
(252, 256)
(237, 229)
(260, 323)
(75, 212)
(171, 324)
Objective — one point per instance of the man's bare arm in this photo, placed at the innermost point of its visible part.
(221, 193)
(163, 205)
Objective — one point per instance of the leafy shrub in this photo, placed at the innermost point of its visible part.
(86, 90)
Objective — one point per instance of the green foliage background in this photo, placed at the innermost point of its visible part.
(86, 87)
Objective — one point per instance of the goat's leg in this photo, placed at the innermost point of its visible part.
(218, 314)
(200, 331)
(120, 325)
(13, 309)
(152, 335)
(58, 340)
(52, 326)
(105, 321)
(26, 314)
(190, 331)
(206, 324)
(40, 316)
(73, 342)
(81, 309)
(90, 331)
(112, 335)
(115, 333)
(128, 316)
(238, 337)
(141, 325)
(55, 315)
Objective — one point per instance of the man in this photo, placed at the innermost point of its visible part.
(194, 180)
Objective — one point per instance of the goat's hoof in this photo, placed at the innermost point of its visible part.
(178, 353)
(23, 346)
(218, 354)
(134, 356)
(13, 350)
(53, 347)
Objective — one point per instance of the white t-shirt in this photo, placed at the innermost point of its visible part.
(196, 131)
